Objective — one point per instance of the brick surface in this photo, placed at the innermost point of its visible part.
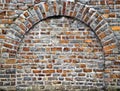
(39, 46)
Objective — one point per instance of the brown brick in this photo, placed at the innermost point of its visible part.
(7, 21)
(64, 41)
(6, 66)
(73, 56)
(99, 18)
(46, 7)
(10, 61)
(81, 74)
(49, 71)
(115, 28)
(8, 45)
(2, 37)
(102, 35)
(112, 15)
(80, 56)
(107, 71)
(67, 61)
(56, 49)
(110, 47)
(8, 1)
(117, 63)
(74, 49)
(19, 67)
(59, 71)
(56, 82)
(67, 71)
(26, 14)
(100, 75)
(82, 65)
(87, 70)
(117, 1)
(64, 74)
(22, 27)
(114, 76)
(105, 15)
(3, 13)
(37, 1)
(20, 61)
(25, 49)
(49, 66)
(102, 2)
(88, 40)
(69, 79)
(66, 49)
(10, 13)
(36, 71)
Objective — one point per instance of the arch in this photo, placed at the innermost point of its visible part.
(77, 10)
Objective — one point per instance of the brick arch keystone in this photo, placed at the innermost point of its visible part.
(77, 10)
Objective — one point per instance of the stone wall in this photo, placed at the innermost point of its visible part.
(61, 45)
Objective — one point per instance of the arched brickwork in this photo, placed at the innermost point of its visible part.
(79, 11)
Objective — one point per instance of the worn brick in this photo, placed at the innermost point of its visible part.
(49, 71)
(36, 71)
(10, 61)
(115, 28)
(82, 65)
(87, 70)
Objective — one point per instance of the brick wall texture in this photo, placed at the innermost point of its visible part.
(59, 45)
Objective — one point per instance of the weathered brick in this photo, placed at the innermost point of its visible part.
(36, 71)
(49, 71)
(25, 48)
(82, 65)
(115, 28)
(49, 66)
(87, 70)
(2, 36)
(8, 45)
(10, 61)
(64, 41)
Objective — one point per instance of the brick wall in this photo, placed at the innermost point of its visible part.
(63, 45)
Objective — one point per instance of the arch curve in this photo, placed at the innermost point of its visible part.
(77, 10)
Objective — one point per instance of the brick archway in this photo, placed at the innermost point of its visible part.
(79, 11)
(42, 11)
